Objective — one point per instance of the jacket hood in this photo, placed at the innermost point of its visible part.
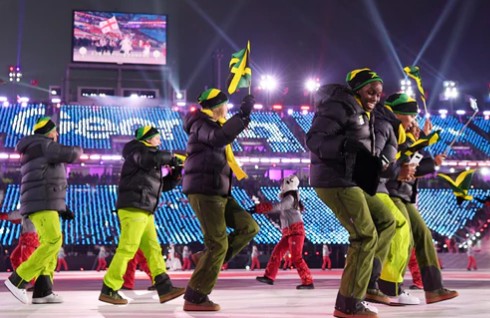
(335, 93)
(28, 141)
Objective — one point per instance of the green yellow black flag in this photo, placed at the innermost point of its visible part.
(414, 73)
(461, 185)
(421, 143)
(240, 72)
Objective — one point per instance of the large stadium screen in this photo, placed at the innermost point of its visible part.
(121, 38)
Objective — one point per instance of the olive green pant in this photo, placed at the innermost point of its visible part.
(216, 213)
(137, 231)
(43, 260)
(396, 262)
(371, 226)
(424, 247)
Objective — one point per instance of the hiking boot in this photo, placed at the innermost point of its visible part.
(303, 286)
(206, 305)
(174, 292)
(362, 310)
(111, 296)
(265, 280)
(166, 291)
(197, 301)
(404, 298)
(49, 299)
(439, 295)
(377, 296)
(17, 286)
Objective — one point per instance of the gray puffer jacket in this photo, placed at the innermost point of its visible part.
(43, 184)
(386, 130)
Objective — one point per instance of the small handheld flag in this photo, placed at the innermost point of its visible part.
(414, 73)
(240, 72)
(461, 185)
(421, 143)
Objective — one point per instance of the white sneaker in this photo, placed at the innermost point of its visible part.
(405, 299)
(19, 293)
(369, 307)
(50, 299)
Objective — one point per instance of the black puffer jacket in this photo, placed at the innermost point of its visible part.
(386, 130)
(206, 169)
(338, 117)
(141, 177)
(407, 190)
(43, 184)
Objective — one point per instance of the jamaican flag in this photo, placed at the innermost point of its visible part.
(240, 72)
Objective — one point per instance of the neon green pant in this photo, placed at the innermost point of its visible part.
(137, 231)
(43, 260)
(398, 255)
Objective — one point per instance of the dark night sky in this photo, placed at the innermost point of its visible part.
(292, 39)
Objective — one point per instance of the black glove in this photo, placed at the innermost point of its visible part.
(163, 158)
(175, 162)
(67, 214)
(248, 103)
(352, 146)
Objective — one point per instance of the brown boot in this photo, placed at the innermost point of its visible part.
(377, 296)
(206, 305)
(439, 295)
(111, 296)
(197, 301)
(166, 291)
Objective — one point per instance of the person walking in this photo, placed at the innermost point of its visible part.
(43, 192)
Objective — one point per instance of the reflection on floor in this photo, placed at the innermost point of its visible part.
(240, 295)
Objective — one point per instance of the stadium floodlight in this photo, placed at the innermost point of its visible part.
(290, 111)
(460, 112)
(22, 100)
(406, 87)
(486, 114)
(5, 101)
(312, 84)
(268, 83)
(443, 113)
(450, 90)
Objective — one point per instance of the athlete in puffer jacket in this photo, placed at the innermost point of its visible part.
(207, 182)
(343, 167)
(140, 189)
(403, 194)
(42, 197)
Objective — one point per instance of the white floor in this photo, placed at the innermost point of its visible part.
(241, 296)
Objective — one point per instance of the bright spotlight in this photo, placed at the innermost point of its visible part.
(450, 90)
(484, 171)
(406, 87)
(268, 83)
(312, 85)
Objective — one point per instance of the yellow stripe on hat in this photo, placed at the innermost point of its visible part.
(145, 130)
(355, 72)
(213, 93)
(41, 123)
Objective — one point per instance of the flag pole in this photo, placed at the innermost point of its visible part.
(460, 132)
(474, 106)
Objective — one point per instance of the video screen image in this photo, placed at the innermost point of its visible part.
(120, 38)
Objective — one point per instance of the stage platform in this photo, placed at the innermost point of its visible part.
(240, 295)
